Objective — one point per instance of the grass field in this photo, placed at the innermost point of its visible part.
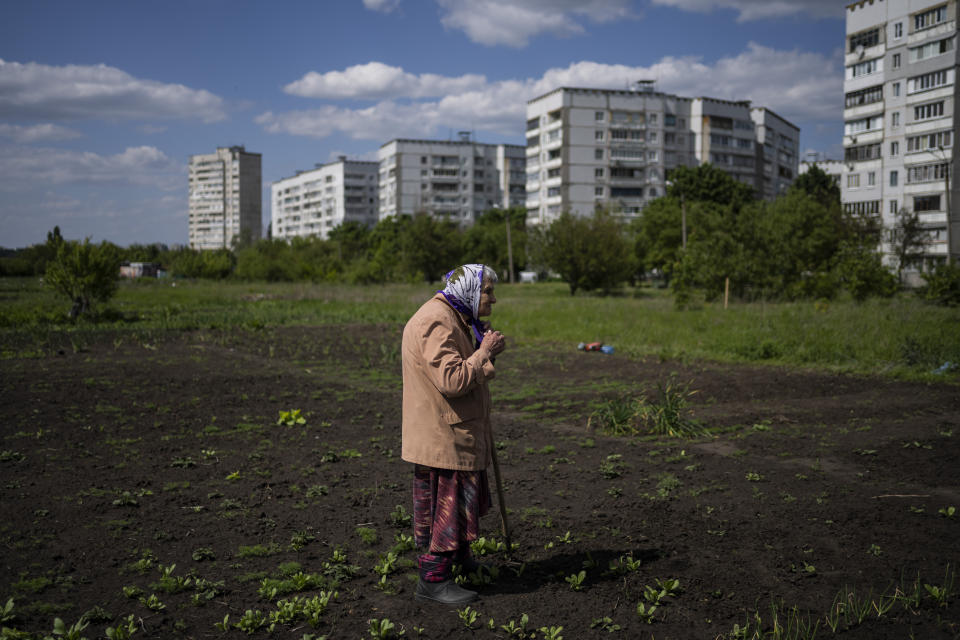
(901, 337)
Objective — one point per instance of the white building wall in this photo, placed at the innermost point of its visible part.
(223, 198)
(899, 126)
(314, 202)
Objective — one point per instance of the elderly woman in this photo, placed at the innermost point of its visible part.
(447, 358)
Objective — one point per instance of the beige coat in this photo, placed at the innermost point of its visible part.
(446, 403)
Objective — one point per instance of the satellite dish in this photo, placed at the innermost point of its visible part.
(859, 51)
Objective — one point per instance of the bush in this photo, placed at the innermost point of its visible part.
(943, 285)
(83, 272)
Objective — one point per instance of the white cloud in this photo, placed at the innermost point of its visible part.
(26, 167)
(378, 80)
(383, 6)
(37, 133)
(763, 9)
(800, 86)
(514, 22)
(38, 91)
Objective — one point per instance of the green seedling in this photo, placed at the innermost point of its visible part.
(516, 629)
(251, 621)
(753, 476)
(234, 476)
(223, 626)
(566, 538)
(367, 535)
(468, 617)
(124, 630)
(153, 603)
(382, 629)
(551, 633)
(645, 611)
(73, 632)
(291, 418)
(576, 580)
(605, 623)
(203, 553)
(6, 613)
(132, 592)
(400, 518)
(947, 512)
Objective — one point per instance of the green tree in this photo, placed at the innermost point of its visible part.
(589, 253)
(706, 183)
(860, 269)
(429, 247)
(486, 241)
(943, 285)
(819, 185)
(907, 238)
(83, 272)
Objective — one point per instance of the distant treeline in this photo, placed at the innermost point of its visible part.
(708, 235)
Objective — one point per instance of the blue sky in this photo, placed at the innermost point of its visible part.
(102, 102)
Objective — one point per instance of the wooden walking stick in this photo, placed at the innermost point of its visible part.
(500, 499)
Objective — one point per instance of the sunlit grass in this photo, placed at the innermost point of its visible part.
(902, 336)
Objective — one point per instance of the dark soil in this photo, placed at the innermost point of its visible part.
(167, 447)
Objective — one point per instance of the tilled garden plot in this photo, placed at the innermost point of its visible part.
(816, 499)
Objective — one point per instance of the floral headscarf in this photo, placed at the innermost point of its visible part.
(462, 291)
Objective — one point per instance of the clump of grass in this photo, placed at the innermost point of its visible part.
(668, 415)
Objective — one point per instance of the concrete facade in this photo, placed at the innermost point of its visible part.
(313, 202)
(900, 119)
(453, 179)
(600, 147)
(224, 202)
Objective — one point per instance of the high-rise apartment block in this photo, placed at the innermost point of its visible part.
(589, 148)
(224, 200)
(313, 202)
(900, 118)
(454, 179)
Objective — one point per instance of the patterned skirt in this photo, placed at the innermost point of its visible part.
(447, 506)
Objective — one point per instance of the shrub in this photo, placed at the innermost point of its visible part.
(943, 285)
(83, 272)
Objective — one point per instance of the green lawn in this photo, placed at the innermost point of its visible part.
(901, 337)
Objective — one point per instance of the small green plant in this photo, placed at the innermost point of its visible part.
(224, 625)
(551, 633)
(947, 512)
(400, 518)
(753, 476)
(576, 580)
(203, 553)
(73, 632)
(606, 624)
(153, 603)
(516, 629)
(468, 616)
(126, 628)
(251, 621)
(6, 613)
(645, 612)
(382, 629)
(367, 535)
(300, 539)
(291, 418)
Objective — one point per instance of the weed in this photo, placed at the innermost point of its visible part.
(300, 539)
(203, 553)
(317, 491)
(576, 580)
(367, 535)
(606, 624)
(753, 476)
(291, 418)
(258, 550)
(611, 467)
(400, 518)
(468, 616)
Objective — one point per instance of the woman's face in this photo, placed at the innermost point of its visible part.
(487, 299)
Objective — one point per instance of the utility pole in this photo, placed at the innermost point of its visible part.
(506, 215)
(948, 164)
(683, 221)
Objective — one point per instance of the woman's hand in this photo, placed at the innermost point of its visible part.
(493, 343)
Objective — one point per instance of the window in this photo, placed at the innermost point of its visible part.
(598, 192)
(893, 178)
(929, 18)
(669, 120)
(598, 154)
(854, 127)
(626, 192)
(931, 49)
(864, 96)
(652, 119)
(533, 123)
(598, 135)
(598, 116)
(652, 156)
(927, 172)
(930, 81)
(927, 111)
(553, 191)
(930, 141)
(626, 134)
(626, 153)
(894, 149)
(652, 137)
(867, 207)
(893, 206)
(625, 172)
(925, 203)
(863, 152)
(895, 119)
(896, 61)
(861, 69)
(871, 178)
(598, 172)
(553, 173)
(898, 30)
(853, 180)
(865, 39)
(896, 89)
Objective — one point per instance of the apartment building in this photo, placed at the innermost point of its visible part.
(224, 201)
(455, 179)
(313, 202)
(589, 148)
(900, 120)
